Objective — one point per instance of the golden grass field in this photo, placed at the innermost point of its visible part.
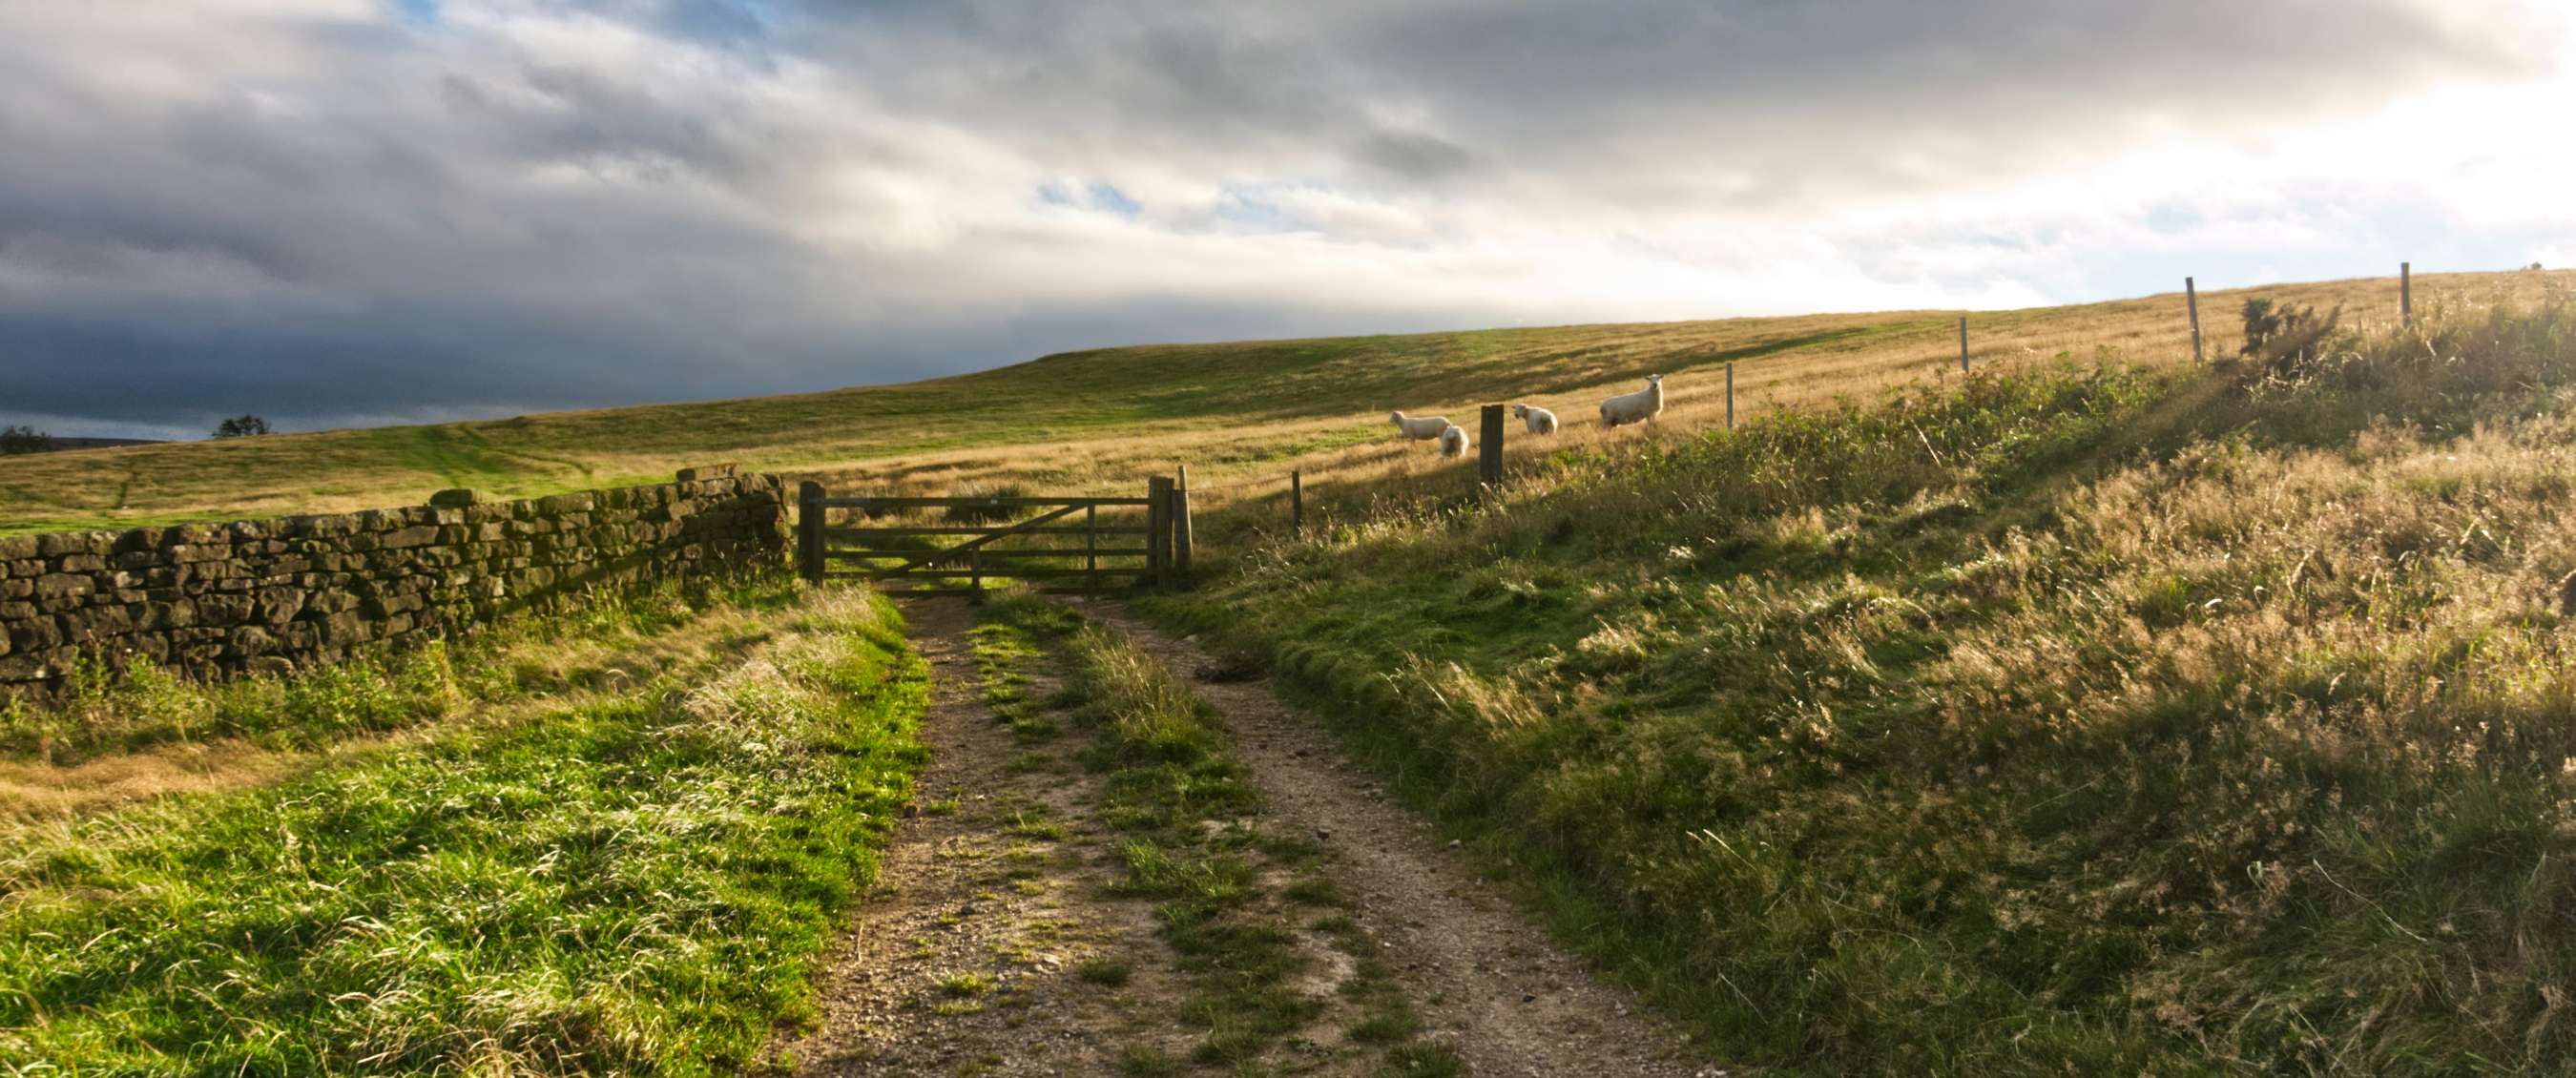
(1108, 418)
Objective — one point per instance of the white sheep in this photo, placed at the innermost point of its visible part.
(1422, 428)
(1641, 406)
(1453, 441)
(1539, 420)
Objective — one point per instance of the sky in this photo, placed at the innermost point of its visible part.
(357, 212)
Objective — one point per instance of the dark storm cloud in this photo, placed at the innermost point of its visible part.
(1412, 155)
(335, 211)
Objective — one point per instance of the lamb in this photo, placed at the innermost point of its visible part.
(1422, 428)
(1540, 420)
(1641, 406)
(1453, 441)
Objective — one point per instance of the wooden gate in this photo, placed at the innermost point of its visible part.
(948, 546)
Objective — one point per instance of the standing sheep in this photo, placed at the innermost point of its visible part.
(1420, 429)
(1453, 441)
(1641, 406)
(1539, 420)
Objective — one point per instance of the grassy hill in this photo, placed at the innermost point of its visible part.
(1115, 415)
(2094, 719)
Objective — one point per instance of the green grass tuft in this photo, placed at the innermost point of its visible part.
(965, 984)
(1105, 971)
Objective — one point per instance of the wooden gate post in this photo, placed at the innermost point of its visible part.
(1963, 344)
(1181, 527)
(1730, 396)
(809, 530)
(2191, 301)
(1158, 530)
(1489, 456)
(2406, 294)
(1296, 502)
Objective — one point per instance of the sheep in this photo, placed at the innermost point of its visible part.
(1641, 406)
(1453, 441)
(1539, 420)
(1421, 428)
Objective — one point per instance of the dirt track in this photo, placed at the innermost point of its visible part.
(961, 893)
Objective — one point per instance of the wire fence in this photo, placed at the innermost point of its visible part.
(1257, 481)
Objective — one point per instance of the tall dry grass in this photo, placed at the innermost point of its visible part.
(2142, 719)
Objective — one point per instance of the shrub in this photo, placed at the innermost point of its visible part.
(2286, 339)
(242, 426)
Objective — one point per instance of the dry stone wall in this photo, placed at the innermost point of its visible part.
(213, 600)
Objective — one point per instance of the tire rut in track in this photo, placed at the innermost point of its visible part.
(970, 888)
(1488, 981)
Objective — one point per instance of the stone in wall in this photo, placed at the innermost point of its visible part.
(215, 600)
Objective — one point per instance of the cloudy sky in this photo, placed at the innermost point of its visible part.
(339, 212)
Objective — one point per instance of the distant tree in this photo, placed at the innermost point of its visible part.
(15, 440)
(2535, 265)
(241, 426)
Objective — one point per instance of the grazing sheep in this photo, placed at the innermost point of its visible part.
(1422, 428)
(1539, 420)
(1641, 406)
(1453, 441)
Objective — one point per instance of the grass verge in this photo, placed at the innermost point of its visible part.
(632, 886)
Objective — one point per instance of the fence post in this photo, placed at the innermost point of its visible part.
(1091, 548)
(1296, 503)
(1730, 396)
(2406, 294)
(2191, 300)
(1181, 527)
(809, 530)
(975, 571)
(1158, 530)
(1489, 456)
(1963, 344)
